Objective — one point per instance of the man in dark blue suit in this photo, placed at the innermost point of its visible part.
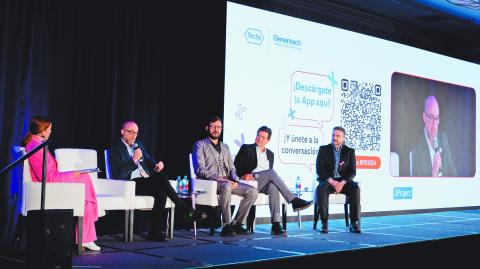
(129, 160)
(336, 168)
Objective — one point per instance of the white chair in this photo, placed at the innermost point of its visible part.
(333, 198)
(394, 164)
(57, 196)
(111, 194)
(143, 202)
(208, 197)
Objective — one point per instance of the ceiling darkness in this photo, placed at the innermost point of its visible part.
(416, 23)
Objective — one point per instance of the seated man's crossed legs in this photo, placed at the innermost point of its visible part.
(270, 183)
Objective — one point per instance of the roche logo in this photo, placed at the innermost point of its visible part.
(254, 36)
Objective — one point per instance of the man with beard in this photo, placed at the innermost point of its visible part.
(129, 160)
(336, 168)
(212, 160)
(431, 156)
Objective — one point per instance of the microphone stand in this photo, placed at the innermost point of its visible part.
(44, 168)
(44, 173)
(44, 180)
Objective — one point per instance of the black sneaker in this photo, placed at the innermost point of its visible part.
(239, 230)
(300, 204)
(195, 215)
(228, 230)
(278, 230)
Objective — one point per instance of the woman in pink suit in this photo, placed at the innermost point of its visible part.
(40, 130)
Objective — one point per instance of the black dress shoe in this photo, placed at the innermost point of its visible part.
(324, 229)
(227, 230)
(195, 215)
(278, 230)
(157, 236)
(300, 204)
(239, 230)
(354, 228)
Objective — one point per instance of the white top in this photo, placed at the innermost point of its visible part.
(262, 161)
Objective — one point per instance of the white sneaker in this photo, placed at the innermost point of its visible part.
(91, 246)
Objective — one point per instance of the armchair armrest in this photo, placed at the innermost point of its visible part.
(57, 196)
(210, 195)
(121, 188)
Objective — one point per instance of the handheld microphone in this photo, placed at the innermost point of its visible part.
(136, 146)
(436, 147)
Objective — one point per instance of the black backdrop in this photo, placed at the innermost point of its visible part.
(91, 65)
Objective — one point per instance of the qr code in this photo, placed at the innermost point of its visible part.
(361, 114)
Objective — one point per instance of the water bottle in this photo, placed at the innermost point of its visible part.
(179, 184)
(298, 184)
(185, 184)
(182, 184)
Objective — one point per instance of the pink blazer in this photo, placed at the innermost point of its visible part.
(36, 164)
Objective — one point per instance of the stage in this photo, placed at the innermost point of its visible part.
(404, 239)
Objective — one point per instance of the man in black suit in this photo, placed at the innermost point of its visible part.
(336, 169)
(255, 162)
(129, 160)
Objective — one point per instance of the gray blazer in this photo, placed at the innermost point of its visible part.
(205, 163)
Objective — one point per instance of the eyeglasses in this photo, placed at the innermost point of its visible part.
(432, 117)
(131, 132)
(218, 127)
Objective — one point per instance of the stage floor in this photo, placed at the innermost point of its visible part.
(186, 251)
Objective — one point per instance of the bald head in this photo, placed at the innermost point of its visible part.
(129, 124)
(431, 104)
(129, 132)
(431, 117)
